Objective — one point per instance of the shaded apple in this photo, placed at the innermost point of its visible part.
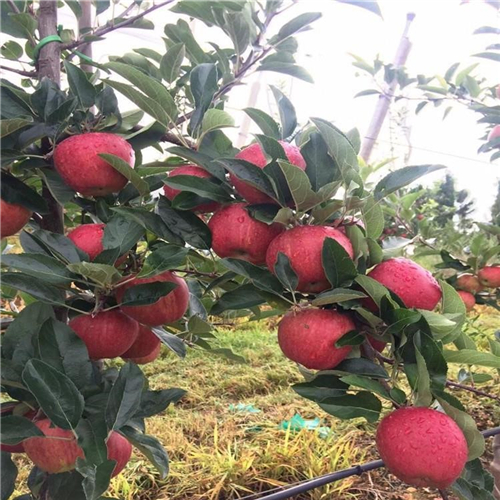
(303, 246)
(168, 309)
(255, 155)
(13, 218)
(494, 133)
(468, 299)
(378, 345)
(58, 450)
(489, 276)
(108, 334)
(194, 171)
(145, 349)
(77, 161)
(308, 337)
(236, 234)
(422, 447)
(413, 284)
(469, 283)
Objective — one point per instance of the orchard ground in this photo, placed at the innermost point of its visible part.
(219, 453)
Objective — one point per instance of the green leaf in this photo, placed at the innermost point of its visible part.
(288, 117)
(296, 25)
(150, 447)
(40, 266)
(58, 245)
(475, 440)
(287, 69)
(475, 483)
(11, 50)
(15, 191)
(9, 475)
(362, 367)
(185, 225)
(37, 289)
(265, 122)
(401, 178)
(146, 294)
(423, 382)
(339, 267)
(125, 396)
(16, 429)
(372, 5)
(472, 357)
(147, 104)
(200, 186)
(261, 278)
(372, 287)
(154, 402)
(56, 394)
(373, 217)
(337, 295)
(23, 23)
(341, 150)
(215, 119)
(121, 232)
(173, 342)
(363, 404)
(170, 64)
(80, 85)
(101, 274)
(365, 383)
(243, 297)
(285, 272)
(96, 477)
(250, 173)
(151, 87)
(321, 168)
(350, 339)
(58, 345)
(323, 386)
(163, 259)
(12, 125)
(92, 433)
(203, 80)
(238, 29)
(181, 33)
(127, 171)
(75, 7)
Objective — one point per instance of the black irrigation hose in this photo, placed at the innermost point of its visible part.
(310, 484)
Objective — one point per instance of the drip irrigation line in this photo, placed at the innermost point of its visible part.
(283, 492)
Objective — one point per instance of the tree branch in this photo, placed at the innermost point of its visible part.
(29, 74)
(449, 383)
(109, 28)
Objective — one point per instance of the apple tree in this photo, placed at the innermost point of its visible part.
(121, 256)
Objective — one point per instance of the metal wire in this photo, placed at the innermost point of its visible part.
(283, 493)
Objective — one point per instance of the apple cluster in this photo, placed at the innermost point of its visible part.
(468, 284)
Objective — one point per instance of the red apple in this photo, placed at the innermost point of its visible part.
(378, 345)
(108, 334)
(168, 309)
(308, 337)
(303, 246)
(468, 300)
(58, 450)
(422, 447)
(194, 171)
(13, 218)
(413, 284)
(88, 237)
(145, 349)
(489, 276)
(236, 234)
(494, 133)
(77, 161)
(255, 155)
(469, 283)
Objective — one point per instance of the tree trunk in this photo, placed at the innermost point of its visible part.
(49, 66)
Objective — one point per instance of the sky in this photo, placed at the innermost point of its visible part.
(441, 34)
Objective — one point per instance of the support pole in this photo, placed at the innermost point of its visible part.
(385, 99)
(85, 21)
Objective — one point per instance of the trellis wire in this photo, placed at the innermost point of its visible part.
(283, 493)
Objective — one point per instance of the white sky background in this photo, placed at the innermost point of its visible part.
(441, 34)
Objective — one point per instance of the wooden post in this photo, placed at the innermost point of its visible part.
(495, 466)
(49, 66)
(385, 99)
